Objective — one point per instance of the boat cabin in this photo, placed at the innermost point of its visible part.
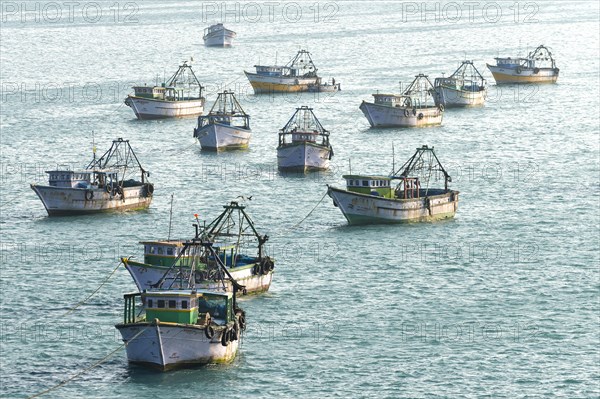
(390, 100)
(509, 62)
(458, 84)
(304, 137)
(271, 70)
(69, 178)
(182, 306)
(379, 186)
(164, 93)
(164, 253)
(216, 28)
(82, 179)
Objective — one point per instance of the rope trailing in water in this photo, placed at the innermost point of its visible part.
(305, 217)
(92, 294)
(99, 362)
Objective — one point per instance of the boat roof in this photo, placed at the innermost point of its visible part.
(379, 177)
(188, 293)
(389, 95)
(83, 171)
(174, 243)
(181, 243)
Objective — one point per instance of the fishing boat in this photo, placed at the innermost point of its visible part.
(166, 327)
(180, 96)
(234, 238)
(304, 143)
(299, 74)
(404, 196)
(107, 183)
(465, 87)
(410, 109)
(218, 36)
(225, 127)
(537, 67)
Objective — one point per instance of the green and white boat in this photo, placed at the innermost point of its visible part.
(176, 325)
(233, 236)
(404, 196)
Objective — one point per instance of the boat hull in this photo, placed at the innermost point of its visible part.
(166, 346)
(217, 137)
(368, 209)
(386, 116)
(303, 157)
(276, 84)
(145, 275)
(64, 201)
(526, 75)
(146, 108)
(222, 38)
(452, 97)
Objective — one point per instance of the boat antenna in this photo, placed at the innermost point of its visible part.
(393, 159)
(170, 218)
(275, 57)
(350, 165)
(93, 146)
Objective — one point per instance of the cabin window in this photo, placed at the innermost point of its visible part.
(169, 251)
(161, 303)
(184, 304)
(149, 303)
(172, 303)
(160, 250)
(365, 183)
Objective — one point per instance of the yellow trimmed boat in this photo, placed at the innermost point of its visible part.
(537, 67)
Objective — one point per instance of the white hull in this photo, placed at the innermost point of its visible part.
(145, 275)
(303, 156)
(450, 97)
(216, 137)
(145, 108)
(386, 116)
(523, 75)
(170, 345)
(223, 38)
(365, 209)
(269, 84)
(73, 201)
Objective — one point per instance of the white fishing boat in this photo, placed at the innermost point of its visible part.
(465, 87)
(237, 244)
(166, 327)
(180, 96)
(410, 109)
(298, 75)
(218, 36)
(537, 67)
(404, 196)
(108, 183)
(304, 143)
(225, 127)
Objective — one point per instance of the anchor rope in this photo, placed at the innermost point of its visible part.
(92, 294)
(85, 370)
(305, 217)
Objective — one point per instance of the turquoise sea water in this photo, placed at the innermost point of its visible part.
(502, 301)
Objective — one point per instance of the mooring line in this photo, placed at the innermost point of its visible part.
(92, 294)
(305, 217)
(99, 362)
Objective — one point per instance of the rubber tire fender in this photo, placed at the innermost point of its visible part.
(209, 331)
